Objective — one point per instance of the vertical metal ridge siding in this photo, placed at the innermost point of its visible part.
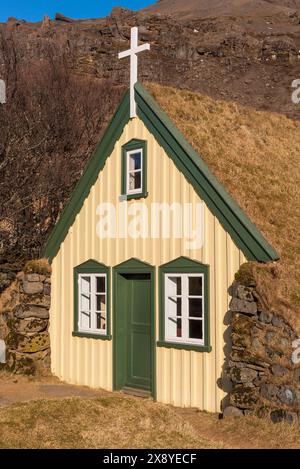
(184, 378)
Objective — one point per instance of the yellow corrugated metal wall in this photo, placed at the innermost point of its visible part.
(184, 378)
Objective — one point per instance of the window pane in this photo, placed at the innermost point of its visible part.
(100, 321)
(85, 284)
(100, 284)
(85, 303)
(174, 306)
(85, 320)
(174, 286)
(195, 286)
(195, 329)
(195, 307)
(135, 161)
(135, 180)
(174, 328)
(85, 297)
(100, 303)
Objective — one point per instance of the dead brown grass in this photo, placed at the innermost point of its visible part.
(38, 266)
(245, 432)
(256, 156)
(127, 422)
(105, 422)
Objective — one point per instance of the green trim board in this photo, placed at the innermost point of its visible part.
(183, 265)
(244, 233)
(91, 267)
(133, 266)
(190, 347)
(134, 144)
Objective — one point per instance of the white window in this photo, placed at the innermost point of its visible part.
(92, 301)
(134, 176)
(184, 308)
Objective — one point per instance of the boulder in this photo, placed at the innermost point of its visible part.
(32, 288)
(269, 391)
(32, 311)
(244, 293)
(65, 19)
(279, 370)
(242, 306)
(32, 277)
(29, 364)
(242, 375)
(47, 289)
(23, 326)
(232, 412)
(265, 317)
(277, 321)
(244, 397)
(289, 395)
(28, 343)
(281, 415)
(277, 416)
(242, 324)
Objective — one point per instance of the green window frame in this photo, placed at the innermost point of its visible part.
(133, 146)
(181, 268)
(92, 269)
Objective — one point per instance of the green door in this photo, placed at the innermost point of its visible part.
(133, 332)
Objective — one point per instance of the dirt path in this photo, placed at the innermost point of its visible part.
(14, 389)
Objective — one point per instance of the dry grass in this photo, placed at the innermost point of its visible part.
(38, 266)
(248, 432)
(107, 422)
(125, 422)
(256, 156)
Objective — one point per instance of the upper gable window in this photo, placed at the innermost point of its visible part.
(134, 178)
(134, 169)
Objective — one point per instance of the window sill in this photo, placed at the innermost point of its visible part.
(91, 336)
(192, 347)
(142, 195)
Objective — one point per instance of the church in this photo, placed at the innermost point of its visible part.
(142, 258)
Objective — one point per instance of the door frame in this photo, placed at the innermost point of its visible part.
(135, 266)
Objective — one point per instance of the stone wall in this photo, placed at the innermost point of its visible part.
(24, 320)
(262, 365)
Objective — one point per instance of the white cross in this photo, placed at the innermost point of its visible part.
(2, 92)
(132, 53)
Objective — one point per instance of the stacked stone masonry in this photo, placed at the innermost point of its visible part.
(24, 323)
(263, 365)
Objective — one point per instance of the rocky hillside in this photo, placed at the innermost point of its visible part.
(64, 81)
(251, 55)
(213, 8)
